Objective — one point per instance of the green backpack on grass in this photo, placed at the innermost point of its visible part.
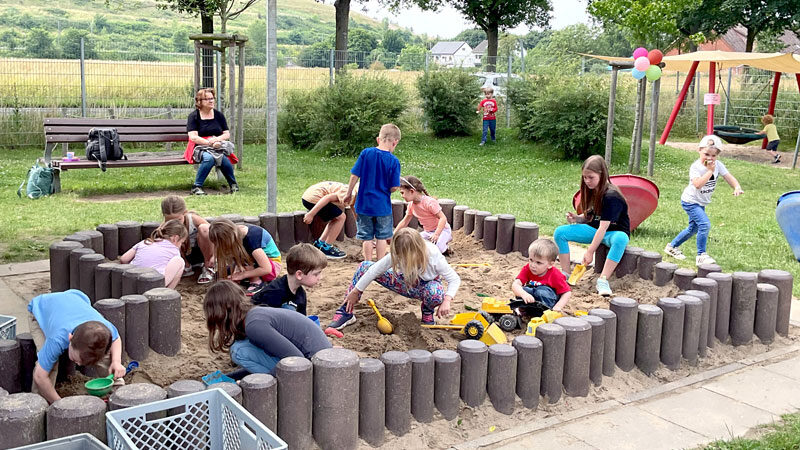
(39, 179)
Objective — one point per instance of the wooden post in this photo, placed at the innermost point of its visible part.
(231, 110)
(637, 158)
(272, 106)
(197, 66)
(678, 102)
(612, 100)
(651, 154)
(240, 107)
(636, 125)
(712, 72)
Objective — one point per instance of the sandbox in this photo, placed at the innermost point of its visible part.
(493, 409)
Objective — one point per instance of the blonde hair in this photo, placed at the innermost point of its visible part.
(409, 255)
(389, 132)
(543, 248)
(167, 230)
(228, 249)
(305, 258)
(201, 95)
(412, 182)
(488, 90)
(767, 119)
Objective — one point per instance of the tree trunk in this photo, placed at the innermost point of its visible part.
(491, 49)
(751, 39)
(342, 23)
(207, 23)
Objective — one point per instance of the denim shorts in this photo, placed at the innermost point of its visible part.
(378, 227)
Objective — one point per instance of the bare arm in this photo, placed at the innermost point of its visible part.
(42, 381)
(350, 186)
(264, 267)
(596, 241)
(116, 359)
(439, 227)
(702, 180)
(517, 289)
(562, 302)
(320, 204)
(403, 223)
(128, 256)
(737, 189)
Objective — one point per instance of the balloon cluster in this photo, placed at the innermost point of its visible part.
(645, 64)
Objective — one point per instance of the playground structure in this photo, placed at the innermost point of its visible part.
(640, 193)
(710, 62)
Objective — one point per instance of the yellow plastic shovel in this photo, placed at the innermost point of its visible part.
(384, 326)
(576, 274)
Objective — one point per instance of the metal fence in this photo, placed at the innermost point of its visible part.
(133, 83)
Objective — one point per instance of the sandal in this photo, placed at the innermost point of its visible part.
(254, 288)
(206, 276)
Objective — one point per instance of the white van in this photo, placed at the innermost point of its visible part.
(496, 81)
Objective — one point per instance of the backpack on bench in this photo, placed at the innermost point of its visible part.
(103, 145)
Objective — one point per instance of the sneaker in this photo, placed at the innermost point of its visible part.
(481, 144)
(777, 160)
(331, 252)
(603, 288)
(703, 258)
(427, 319)
(234, 188)
(197, 190)
(188, 271)
(317, 243)
(674, 252)
(342, 319)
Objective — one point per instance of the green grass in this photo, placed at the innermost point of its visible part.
(514, 177)
(781, 436)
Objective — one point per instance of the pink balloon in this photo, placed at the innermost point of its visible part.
(639, 52)
(641, 63)
(655, 56)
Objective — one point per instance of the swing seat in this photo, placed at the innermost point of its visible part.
(737, 135)
(640, 193)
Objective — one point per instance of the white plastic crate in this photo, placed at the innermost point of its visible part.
(211, 420)
(83, 441)
(8, 327)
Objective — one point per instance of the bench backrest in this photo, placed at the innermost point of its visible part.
(58, 130)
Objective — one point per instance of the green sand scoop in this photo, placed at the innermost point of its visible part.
(99, 387)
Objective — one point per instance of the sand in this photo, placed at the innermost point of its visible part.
(195, 360)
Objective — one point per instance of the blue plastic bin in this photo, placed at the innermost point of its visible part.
(210, 420)
(787, 213)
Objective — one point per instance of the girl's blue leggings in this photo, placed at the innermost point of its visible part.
(616, 241)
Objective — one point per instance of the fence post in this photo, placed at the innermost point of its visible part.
(220, 86)
(168, 145)
(612, 100)
(508, 102)
(727, 99)
(83, 83)
(796, 149)
(330, 67)
(426, 61)
(651, 152)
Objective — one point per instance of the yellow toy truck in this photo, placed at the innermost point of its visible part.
(509, 314)
(474, 325)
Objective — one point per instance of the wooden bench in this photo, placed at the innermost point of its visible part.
(76, 131)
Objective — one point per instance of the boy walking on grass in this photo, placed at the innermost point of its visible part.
(66, 321)
(488, 107)
(304, 265)
(378, 172)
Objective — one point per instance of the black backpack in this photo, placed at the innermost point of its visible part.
(103, 145)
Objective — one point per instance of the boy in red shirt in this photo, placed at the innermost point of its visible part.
(488, 107)
(539, 280)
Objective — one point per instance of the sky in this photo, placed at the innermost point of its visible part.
(448, 22)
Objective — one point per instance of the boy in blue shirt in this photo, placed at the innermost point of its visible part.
(66, 321)
(378, 171)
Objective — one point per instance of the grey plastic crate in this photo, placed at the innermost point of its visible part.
(84, 441)
(210, 420)
(8, 327)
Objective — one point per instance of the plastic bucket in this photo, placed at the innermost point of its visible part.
(787, 213)
(314, 319)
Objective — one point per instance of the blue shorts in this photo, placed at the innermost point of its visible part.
(773, 145)
(378, 227)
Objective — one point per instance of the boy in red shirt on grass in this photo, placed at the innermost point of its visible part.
(488, 107)
(539, 280)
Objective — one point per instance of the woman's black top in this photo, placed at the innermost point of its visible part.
(206, 128)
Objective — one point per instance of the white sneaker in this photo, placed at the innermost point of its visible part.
(603, 288)
(703, 258)
(674, 252)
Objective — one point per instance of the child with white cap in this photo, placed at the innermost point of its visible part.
(703, 176)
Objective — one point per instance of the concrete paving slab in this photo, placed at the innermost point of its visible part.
(548, 440)
(12, 304)
(794, 313)
(723, 417)
(760, 388)
(632, 428)
(789, 368)
(42, 265)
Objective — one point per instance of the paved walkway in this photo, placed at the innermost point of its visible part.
(718, 404)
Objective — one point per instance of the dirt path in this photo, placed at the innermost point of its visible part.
(752, 153)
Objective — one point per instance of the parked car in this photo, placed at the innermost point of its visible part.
(497, 81)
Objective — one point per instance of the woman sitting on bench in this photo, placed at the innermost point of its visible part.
(209, 142)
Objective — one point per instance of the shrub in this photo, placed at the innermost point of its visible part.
(449, 98)
(345, 118)
(568, 113)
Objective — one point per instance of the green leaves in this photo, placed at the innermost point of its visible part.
(449, 99)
